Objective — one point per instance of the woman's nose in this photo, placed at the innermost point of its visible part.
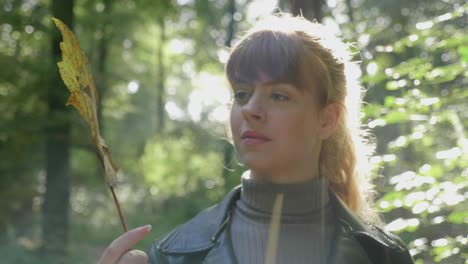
(254, 109)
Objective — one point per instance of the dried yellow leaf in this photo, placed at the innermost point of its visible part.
(74, 69)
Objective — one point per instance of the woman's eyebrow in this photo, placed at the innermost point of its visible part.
(284, 85)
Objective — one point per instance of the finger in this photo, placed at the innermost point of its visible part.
(134, 257)
(122, 244)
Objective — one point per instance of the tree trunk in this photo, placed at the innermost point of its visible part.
(228, 149)
(310, 9)
(102, 59)
(101, 76)
(161, 95)
(350, 11)
(57, 194)
(232, 23)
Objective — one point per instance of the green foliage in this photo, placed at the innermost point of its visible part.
(129, 29)
(22, 111)
(426, 97)
(416, 54)
(175, 166)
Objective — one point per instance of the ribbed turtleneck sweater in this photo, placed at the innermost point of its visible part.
(306, 226)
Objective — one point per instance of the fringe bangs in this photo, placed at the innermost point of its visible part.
(265, 56)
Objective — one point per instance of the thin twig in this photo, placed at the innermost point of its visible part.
(118, 209)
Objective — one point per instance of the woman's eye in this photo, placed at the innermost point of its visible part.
(279, 97)
(241, 96)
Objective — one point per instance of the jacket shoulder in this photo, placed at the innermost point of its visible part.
(193, 235)
(384, 247)
(401, 253)
(379, 245)
(193, 238)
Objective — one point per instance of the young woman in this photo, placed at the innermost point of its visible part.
(295, 126)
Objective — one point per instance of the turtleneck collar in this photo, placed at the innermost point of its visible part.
(299, 198)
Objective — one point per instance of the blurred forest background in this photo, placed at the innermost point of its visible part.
(158, 66)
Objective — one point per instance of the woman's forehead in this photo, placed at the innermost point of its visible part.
(265, 82)
(257, 79)
(263, 57)
(263, 73)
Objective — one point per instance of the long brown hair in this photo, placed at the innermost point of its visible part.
(305, 54)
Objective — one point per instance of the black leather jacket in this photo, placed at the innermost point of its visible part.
(205, 239)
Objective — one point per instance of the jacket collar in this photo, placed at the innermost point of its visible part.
(358, 227)
(358, 241)
(347, 247)
(203, 231)
(207, 232)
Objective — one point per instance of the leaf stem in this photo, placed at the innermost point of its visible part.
(122, 221)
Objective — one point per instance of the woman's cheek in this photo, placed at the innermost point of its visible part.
(235, 124)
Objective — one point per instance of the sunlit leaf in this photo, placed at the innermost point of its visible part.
(444, 74)
(393, 85)
(458, 217)
(463, 51)
(395, 117)
(436, 171)
(389, 101)
(76, 75)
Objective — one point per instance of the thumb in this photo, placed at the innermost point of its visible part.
(123, 243)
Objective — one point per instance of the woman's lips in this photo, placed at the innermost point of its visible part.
(254, 138)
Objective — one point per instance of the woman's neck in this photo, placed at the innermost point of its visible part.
(298, 198)
(293, 175)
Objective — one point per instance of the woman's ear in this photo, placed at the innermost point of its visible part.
(329, 119)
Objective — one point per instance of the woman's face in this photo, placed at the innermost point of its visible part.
(276, 129)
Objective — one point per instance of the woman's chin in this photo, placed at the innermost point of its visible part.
(257, 163)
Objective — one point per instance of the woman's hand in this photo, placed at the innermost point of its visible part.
(118, 252)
